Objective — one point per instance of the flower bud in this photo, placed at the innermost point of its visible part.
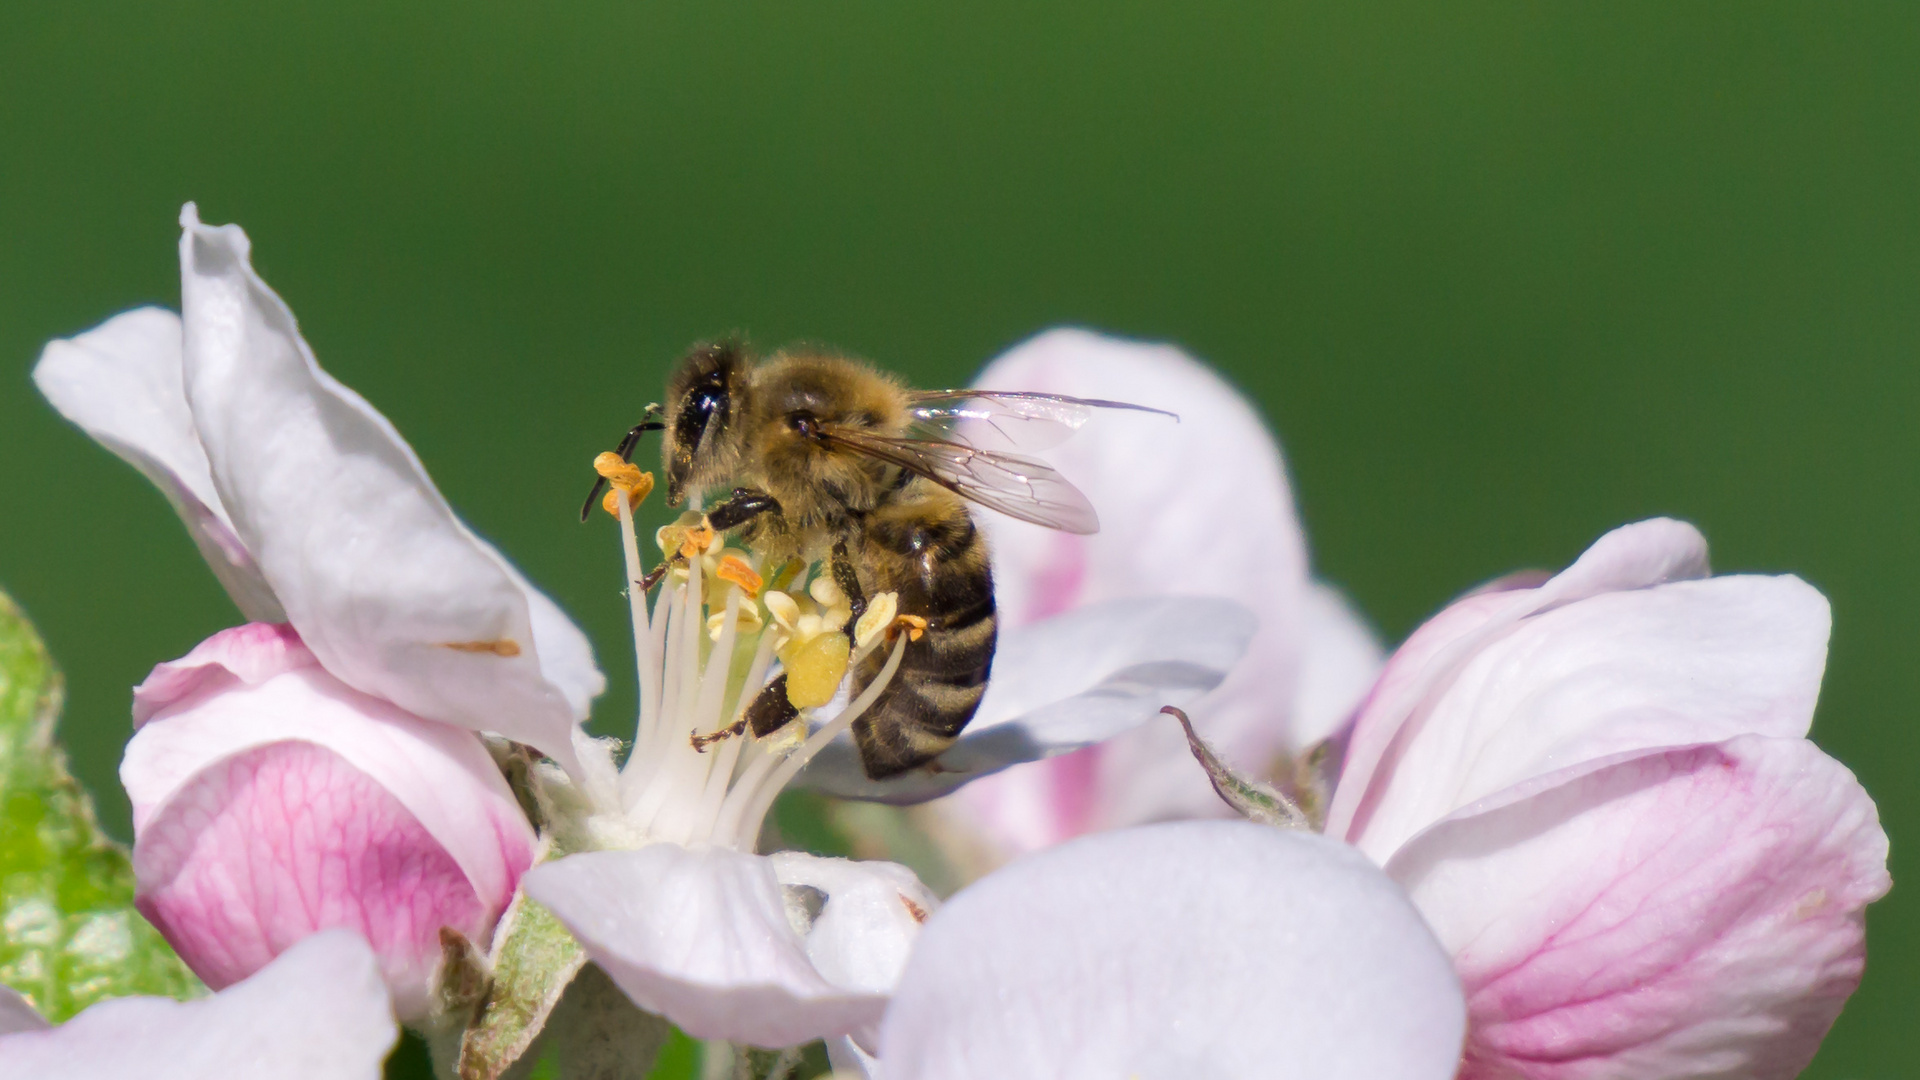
(271, 800)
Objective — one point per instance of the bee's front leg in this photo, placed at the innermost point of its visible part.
(744, 506)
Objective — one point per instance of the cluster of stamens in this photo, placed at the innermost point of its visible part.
(698, 771)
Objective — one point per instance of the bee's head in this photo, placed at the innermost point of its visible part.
(700, 445)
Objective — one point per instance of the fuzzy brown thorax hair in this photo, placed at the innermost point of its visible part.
(733, 421)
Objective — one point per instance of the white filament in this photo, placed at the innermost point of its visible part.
(670, 790)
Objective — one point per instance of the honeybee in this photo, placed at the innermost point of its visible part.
(830, 460)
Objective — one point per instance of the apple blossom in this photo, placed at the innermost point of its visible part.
(1202, 509)
(320, 766)
(1598, 791)
(663, 887)
(271, 800)
(319, 1012)
(1204, 948)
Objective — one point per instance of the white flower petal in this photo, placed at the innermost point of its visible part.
(1637, 556)
(121, 383)
(1673, 665)
(1687, 913)
(441, 774)
(1173, 951)
(16, 1014)
(862, 937)
(1067, 682)
(393, 593)
(702, 937)
(319, 1012)
(1201, 507)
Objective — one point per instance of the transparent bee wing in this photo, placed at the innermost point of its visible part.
(1019, 487)
(1009, 421)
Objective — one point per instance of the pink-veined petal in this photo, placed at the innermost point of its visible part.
(1173, 951)
(1688, 913)
(1569, 619)
(392, 592)
(248, 655)
(704, 937)
(264, 848)
(1672, 665)
(442, 774)
(319, 1012)
(121, 383)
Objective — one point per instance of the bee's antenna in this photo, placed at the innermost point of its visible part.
(626, 454)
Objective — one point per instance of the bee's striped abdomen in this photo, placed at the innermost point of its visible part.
(928, 552)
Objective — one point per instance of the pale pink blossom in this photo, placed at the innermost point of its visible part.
(319, 767)
(319, 1012)
(1189, 949)
(1599, 793)
(271, 800)
(1201, 507)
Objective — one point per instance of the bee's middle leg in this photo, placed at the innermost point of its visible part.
(849, 582)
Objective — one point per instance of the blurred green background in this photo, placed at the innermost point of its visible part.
(1501, 276)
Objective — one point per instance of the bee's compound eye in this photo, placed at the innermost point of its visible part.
(703, 403)
(706, 403)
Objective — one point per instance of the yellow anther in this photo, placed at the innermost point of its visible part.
(875, 620)
(746, 621)
(672, 538)
(636, 494)
(784, 611)
(826, 592)
(617, 469)
(735, 569)
(911, 625)
(698, 539)
(625, 476)
(814, 669)
(837, 617)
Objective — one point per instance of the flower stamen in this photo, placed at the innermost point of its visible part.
(716, 740)
(622, 476)
(735, 569)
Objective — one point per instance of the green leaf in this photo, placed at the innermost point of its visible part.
(69, 935)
